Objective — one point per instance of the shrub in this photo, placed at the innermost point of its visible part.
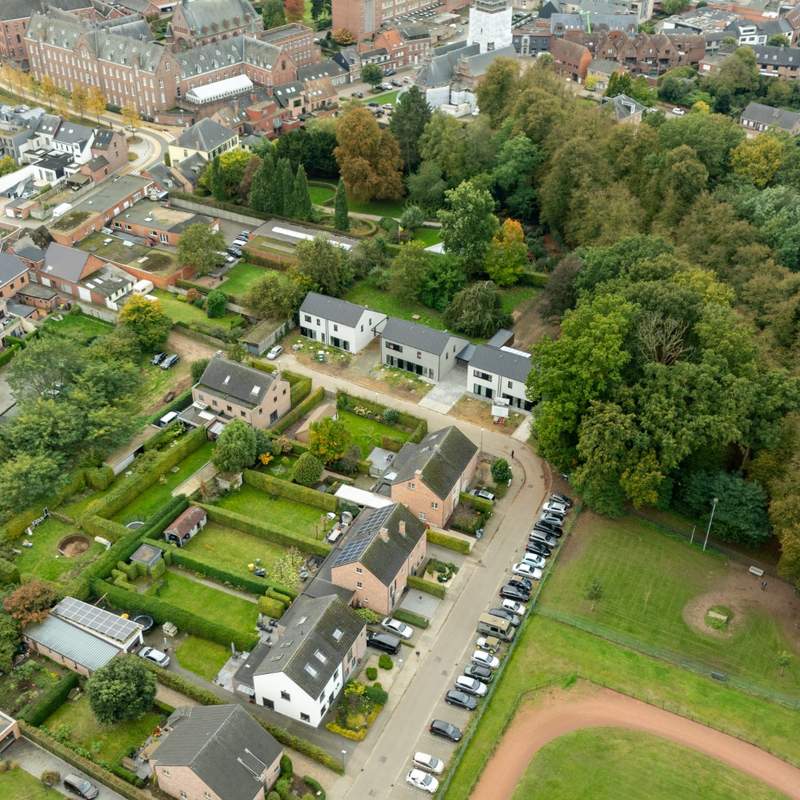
(50, 777)
(315, 787)
(307, 470)
(216, 304)
(450, 542)
(369, 616)
(417, 620)
(300, 390)
(180, 684)
(270, 607)
(371, 673)
(291, 491)
(385, 661)
(377, 694)
(478, 503)
(8, 572)
(501, 471)
(49, 701)
(286, 766)
(273, 796)
(423, 585)
(108, 529)
(299, 411)
(100, 478)
(390, 416)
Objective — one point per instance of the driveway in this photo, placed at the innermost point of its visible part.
(35, 760)
(447, 392)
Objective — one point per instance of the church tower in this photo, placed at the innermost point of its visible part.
(490, 24)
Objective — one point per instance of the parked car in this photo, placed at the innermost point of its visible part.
(383, 641)
(543, 536)
(158, 358)
(390, 71)
(521, 583)
(399, 628)
(428, 762)
(543, 527)
(484, 494)
(486, 659)
(274, 352)
(447, 730)
(503, 613)
(244, 235)
(534, 560)
(491, 644)
(397, 84)
(514, 607)
(539, 548)
(236, 252)
(156, 656)
(552, 519)
(563, 499)
(169, 417)
(512, 593)
(471, 686)
(480, 672)
(552, 507)
(460, 699)
(81, 787)
(373, 104)
(679, 112)
(523, 568)
(358, 94)
(422, 780)
(170, 361)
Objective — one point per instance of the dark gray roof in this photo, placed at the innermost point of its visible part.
(237, 49)
(777, 56)
(441, 458)
(325, 69)
(191, 168)
(223, 745)
(64, 262)
(283, 32)
(439, 71)
(22, 9)
(102, 138)
(501, 337)
(412, 334)
(243, 384)
(72, 133)
(71, 642)
(205, 135)
(10, 267)
(332, 308)
(217, 15)
(774, 117)
(501, 362)
(363, 543)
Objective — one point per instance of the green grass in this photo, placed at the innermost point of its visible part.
(379, 208)
(384, 97)
(153, 498)
(16, 784)
(513, 297)
(365, 293)
(321, 193)
(152, 259)
(367, 433)
(202, 657)
(296, 517)
(241, 277)
(428, 236)
(109, 743)
(187, 314)
(80, 327)
(280, 467)
(16, 693)
(549, 653)
(609, 763)
(232, 550)
(648, 578)
(211, 604)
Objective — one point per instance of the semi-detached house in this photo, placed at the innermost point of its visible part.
(500, 372)
(426, 352)
(338, 323)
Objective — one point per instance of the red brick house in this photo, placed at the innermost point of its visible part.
(570, 59)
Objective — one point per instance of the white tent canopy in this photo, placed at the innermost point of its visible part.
(361, 497)
(219, 90)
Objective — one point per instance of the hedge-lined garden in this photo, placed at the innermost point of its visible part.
(450, 542)
(429, 587)
(291, 491)
(415, 427)
(299, 411)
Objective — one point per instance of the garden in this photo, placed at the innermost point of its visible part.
(82, 328)
(16, 784)
(369, 433)
(202, 657)
(183, 312)
(359, 706)
(28, 684)
(241, 277)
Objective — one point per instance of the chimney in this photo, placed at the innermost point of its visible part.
(401, 527)
(384, 534)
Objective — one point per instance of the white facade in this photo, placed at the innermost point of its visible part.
(351, 339)
(490, 385)
(490, 25)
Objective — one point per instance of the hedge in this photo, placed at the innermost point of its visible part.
(291, 491)
(264, 258)
(162, 611)
(450, 542)
(436, 589)
(299, 390)
(205, 338)
(299, 411)
(417, 620)
(104, 776)
(8, 572)
(417, 426)
(478, 503)
(184, 284)
(263, 531)
(7, 355)
(36, 713)
(315, 786)
(270, 607)
(100, 478)
(99, 526)
(173, 680)
(178, 404)
(166, 434)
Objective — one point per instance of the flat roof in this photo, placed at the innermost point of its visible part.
(112, 192)
(361, 497)
(72, 643)
(148, 212)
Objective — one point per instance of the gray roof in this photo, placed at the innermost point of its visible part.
(441, 458)
(419, 337)
(96, 620)
(217, 16)
(205, 135)
(623, 106)
(501, 362)
(325, 69)
(146, 554)
(774, 117)
(242, 384)
(238, 49)
(64, 262)
(132, 25)
(223, 745)
(332, 308)
(72, 133)
(363, 543)
(777, 56)
(22, 9)
(191, 168)
(439, 71)
(10, 267)
(72, 643)
(283, 32)
(102, 138)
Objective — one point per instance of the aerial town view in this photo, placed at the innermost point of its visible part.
(399, 397)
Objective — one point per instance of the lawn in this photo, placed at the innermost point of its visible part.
(240, 278)
(648, 578)
(280, 467)
(26, 684)
(384, 97)
(155, 383)
(321, 193)
(211, 604)
(187, 314)
(610, 763)
(295, 517)
(80, 327)
(368, 433)
(512, 298)
(16, 784)
(379, 208)
(153, 498)
(202, 657)
(549, 652)
(428, 236)
(140, 256)
(366, 293)
(109, 743)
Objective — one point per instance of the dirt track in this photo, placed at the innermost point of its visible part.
(536, 725)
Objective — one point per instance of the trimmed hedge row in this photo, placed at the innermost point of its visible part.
(299, 411)
(436, 589)
(263, 531)
(265, 258)
(411, 618)
(478, 503)
(8, 572)
(166, 434)
(36, 713)
(299, 390)
(205, 338)
(178, 404)
(417, 426)
(161, 611)
(450, 542)
(108, 529)
(93, 770)
(184, 284)
(291, 491)
(173, 680)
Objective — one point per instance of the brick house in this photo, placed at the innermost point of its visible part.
(13, 275)
(198, 22)
(364, 17)
(109, 152)
(296, 40)
(405, 46)
(215, 752)
(379, 552)
(158, 223)
(570, 59)
(428, 477)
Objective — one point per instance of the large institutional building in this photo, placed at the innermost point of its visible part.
(364, 17)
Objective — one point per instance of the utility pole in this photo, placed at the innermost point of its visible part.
(710, 520)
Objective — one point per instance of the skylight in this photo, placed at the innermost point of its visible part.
(311, 671)
(337, 634)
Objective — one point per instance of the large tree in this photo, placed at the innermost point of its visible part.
(468, 224)
(409, 270)
(200, 247)
(324, 267)
(30, 602)
(497, 89)
(146, 321)
(236, 447)
(328, 439)
(124, 689)
(273, 13)
(409, 118)
(477, 310)
(508, 254)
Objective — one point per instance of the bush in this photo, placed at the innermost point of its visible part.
(371, 673)
(478, 503)
(273, 796)
(270, 607)
(291, 491)
(166, 435)
(308, 470)
(100, 478)
(51, 778)
(501, 471)
(299, 411)
(286, 766)
(377, 694)
(216, 304)
(108, 529)
(49, 701)
(385, 661)
(8, 572)
(423, 585)
(315, 786)
(390, 416)
(369, 616)
(450, 542)
(299, 390)
(417, 620)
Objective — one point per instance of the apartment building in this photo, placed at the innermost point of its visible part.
(196, 22)
(296, 40)
(364, 17)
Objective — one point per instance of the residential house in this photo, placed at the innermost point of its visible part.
(186, 526)
(780, 62)
(600, 72)
(63, 268)
(415, 348)
(757, 118)
(380, 550)
(159, 223)
(228, 390)
(301, 669)
(9, 731)
(349, 59)
(109, 152)
(217, 752)
(199, 22)
(327, 69)
(13, 275)
(10, 323)
(338, 323)
(500, 372)
(625, 109)
(296, 40)
(405, 46)
(364, 17)
(428, 477)
(643, 53)
(206, 139)
(571, 60)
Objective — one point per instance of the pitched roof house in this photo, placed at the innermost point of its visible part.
(426, 352)
(757, 118)
(217, 752)
(500, 372)
(339, 323)
(13, 275)
(205, 138)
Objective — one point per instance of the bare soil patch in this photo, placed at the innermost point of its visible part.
(73, 545)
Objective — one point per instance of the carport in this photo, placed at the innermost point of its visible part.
(363, 498)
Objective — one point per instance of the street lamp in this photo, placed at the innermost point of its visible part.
(710, 520)
(344, 753)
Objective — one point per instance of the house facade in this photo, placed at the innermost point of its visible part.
(418, 349)
(13, 275)
(206, 138)
(296, 40)
(500, 373)
(338, 323)
(757, 118)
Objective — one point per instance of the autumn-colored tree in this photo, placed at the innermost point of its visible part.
(368, 157)
(31, 602)
(508, 254)
(328, 439)
(758, 159)
(95, 102)
(79, 98)
(343, 37)
(295, 9)
(130, 116)
(48, 89)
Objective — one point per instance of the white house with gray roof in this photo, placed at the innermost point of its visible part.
(206, 139)
(338, 323)
(416, 348)
(499, 372)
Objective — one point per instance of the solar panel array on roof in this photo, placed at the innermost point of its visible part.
(96, 619)
(368, 528)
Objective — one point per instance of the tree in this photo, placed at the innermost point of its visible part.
(477, 310)
(295, 10)
(409, 118)
(236, 447)
(146, 322)
(199, 248)
(302, 199)
(778, 40)
(784, 659)
(79, 99)
(468, 224)
(216, 303)
(130, 117)
(273, 13)
(560, 293)
(49, 90)
(508, 254)
(275, 296)
(9, 641)
(594, 592)
(328, 439)
(260, 197)
(341, 218)
(283, 188)
(246, 183)
(368, 157)
(30, 602)
(41, 237)
(307, 470)
(45, 367)
(445, 278)
(124, 689)
(426, 187)
(25, 478)
(343, 37)
(227, 172)
(198, 367)
(324, 267)
(214, 181)
(318, 8)
(409, 270)
(236, 352)
(285, 570)
(412, 218)
(501, 471)
(95, 102)
(497, 89)
(758, 159)
(372, 74)
(517, 161)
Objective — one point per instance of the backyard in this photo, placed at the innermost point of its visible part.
(202, 657)
(180, 311)
(80, 327)
(369, 433)
(16, 784)
(151, 259)
(28, 683)
(240, 278)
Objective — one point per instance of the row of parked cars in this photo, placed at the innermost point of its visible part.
(165, 360)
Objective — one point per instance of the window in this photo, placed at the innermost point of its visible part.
(419, 355)
(412, 486)
(305, 718)
(422, 515)
(359, 570)
(396, 347)
(286, 696)
(320, 656)
(434, 505)
(335, 326)
(359, 585)
(483, 376)
(307, 317)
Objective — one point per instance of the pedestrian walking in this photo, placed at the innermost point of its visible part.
(512, 454)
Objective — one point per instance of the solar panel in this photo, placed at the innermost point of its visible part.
(96, 619)
(362, 535)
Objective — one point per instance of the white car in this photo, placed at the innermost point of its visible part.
(400, 628)
(274, 352)
(487, 659)
(678, 112)
(537, 562)
(526, 569)
(156, 656)
(429, 763)
(514, 607)
(471, 686)
(551, 507)
(422, 780)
